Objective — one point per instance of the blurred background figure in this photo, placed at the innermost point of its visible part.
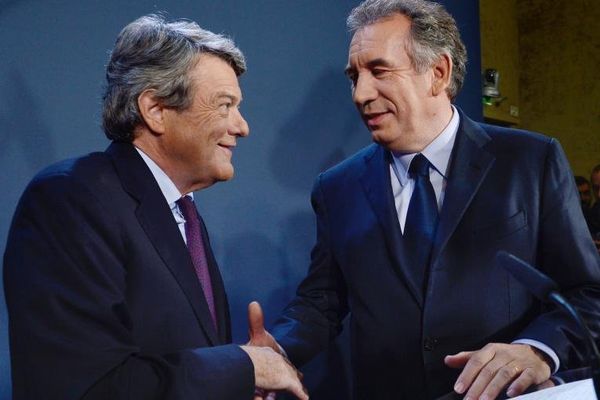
(595, 180)
(585, 192)
(595, 208)
(585, 196)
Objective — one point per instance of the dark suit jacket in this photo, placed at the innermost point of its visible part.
(102, 296)
(507, 190)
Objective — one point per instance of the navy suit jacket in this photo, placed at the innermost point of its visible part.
(102, 296)
(506, 190)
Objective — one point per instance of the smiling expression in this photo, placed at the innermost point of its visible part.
(198, 142)
(396, 102)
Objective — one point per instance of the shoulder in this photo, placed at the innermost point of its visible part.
(500, 137)
(525, 148)
(512, 136)
(69, 183)
(86, 171)
(74, 168)
(353, 166)
(510, 146)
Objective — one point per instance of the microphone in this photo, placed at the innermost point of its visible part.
(545, 289)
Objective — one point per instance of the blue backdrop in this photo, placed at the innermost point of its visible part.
(297, 102)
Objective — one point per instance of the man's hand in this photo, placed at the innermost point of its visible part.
(487, 371)
(256, 330)
(273, 372)
(261, 338)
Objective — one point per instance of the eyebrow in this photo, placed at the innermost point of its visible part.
(379, 62)
(228, 95)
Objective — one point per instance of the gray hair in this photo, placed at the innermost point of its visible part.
(151, 53)
(433, 33)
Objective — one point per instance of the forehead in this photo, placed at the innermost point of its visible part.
(384, 39)
(211, 73)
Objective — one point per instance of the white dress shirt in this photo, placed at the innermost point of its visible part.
(169, 190)
(438, 153)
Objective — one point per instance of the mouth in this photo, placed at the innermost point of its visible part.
(374, 119)
(228, 148)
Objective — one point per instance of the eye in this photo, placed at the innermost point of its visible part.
(226, 106)
(378, 72)
(352, 78)
(350, 74)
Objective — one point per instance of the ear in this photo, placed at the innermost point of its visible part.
(442, 73)
(152, 111)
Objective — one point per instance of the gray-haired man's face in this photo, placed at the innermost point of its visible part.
(200, 140)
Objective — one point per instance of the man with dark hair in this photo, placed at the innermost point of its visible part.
(595, 180)
(585, 197)
(595, 210)
(408, 230)
(585, 192)
(111, 285)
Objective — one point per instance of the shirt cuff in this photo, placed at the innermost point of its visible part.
(544, 349)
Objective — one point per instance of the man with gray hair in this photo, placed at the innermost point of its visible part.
(111, 285)
(408, 230)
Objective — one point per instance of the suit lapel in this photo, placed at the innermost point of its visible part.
(377, 186)
(469, 165)
(156, 219)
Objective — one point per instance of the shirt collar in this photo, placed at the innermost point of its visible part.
(166, 185)
(437, 152)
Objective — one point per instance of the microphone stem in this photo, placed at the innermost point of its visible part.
(594, 355)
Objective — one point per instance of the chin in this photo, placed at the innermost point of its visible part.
(225, 173)
(381, 138)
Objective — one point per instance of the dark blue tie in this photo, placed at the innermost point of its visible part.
(421, 220)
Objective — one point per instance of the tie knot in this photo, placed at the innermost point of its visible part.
(186, 205)
(419, 166)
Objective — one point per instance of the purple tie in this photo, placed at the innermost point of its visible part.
(195, 246)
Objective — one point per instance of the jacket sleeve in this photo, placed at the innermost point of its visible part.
(567, 254)
(314, 317)
(70, 328)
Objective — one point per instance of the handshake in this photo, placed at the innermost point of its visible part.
(272, 370)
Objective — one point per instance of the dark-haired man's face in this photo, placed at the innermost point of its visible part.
(585, 195)
(595, 181)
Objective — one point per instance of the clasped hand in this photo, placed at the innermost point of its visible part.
(272, 370)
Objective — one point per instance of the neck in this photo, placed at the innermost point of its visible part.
(151, 146)
(429, 127)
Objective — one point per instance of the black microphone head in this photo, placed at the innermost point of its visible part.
(535, 281)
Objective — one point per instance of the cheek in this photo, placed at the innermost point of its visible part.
(218, 129)
(396, 94)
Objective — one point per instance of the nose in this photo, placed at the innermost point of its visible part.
(364, 90)
(240, 125)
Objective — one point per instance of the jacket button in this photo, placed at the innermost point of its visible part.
(429, 343)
